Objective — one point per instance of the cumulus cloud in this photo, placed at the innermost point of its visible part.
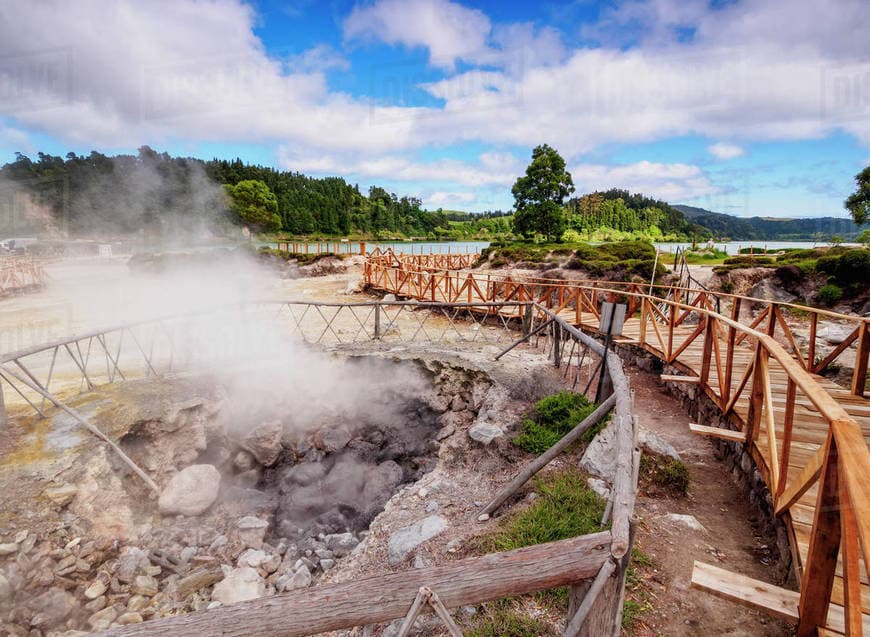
(724, 150)
(442, 199)
(317, 59)
(669, 182)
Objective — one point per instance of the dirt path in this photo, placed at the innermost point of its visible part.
(729, 539)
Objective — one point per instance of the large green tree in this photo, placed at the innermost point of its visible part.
(255, 204)
(858, 203)
(538, 195)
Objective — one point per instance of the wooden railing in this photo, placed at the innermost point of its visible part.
(18, 274)
(838, 461)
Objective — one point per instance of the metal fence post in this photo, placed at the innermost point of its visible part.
(377, 320)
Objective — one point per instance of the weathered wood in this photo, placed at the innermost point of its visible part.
(669, 378)
(383, 598)
(801, 484)
(545, 458)
(859, 375)
(717, 432)
(820, 568)
(623, 488)
(850, 554)
(753, 593)
(576, 623)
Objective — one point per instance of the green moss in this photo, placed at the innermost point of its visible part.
(666, 474)
(554, 416)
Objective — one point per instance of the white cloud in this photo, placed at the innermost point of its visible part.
(669, 182)
(318, 59)
(449, 30)
(724, 150)
(442, 199)
(14, 140)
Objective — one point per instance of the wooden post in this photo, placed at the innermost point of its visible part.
(756, 400)
(377, 320)
(557, 344)
(709, 335)
(811, 350)
(859, 376)
(821, 564)
(729, 361)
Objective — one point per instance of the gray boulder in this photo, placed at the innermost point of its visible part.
(653, 443)
(240, 584)
(405, 540)
(264, 442)
(484, 432)
(191, 491)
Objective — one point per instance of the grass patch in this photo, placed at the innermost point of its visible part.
(565, 507)
(664, 475)
(555, 416)
(503, 619)
(301, 258)
(637, 592)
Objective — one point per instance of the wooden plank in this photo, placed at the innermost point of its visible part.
(669, 378)
(717, 432)
(374, 600)
(773, 600)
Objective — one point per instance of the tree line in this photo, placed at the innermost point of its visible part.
(98, 194)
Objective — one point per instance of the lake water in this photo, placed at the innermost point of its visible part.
(399, 247)
(734, 247)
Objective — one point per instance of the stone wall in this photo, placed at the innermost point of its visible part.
(735, 455)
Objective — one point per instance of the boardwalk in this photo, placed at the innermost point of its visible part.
(807, 435)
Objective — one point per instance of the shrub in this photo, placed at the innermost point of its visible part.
(746, 260)
(554, 417)
(666, 474)
(829, 294)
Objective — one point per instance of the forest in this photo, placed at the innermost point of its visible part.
(99, 195)
(627, 213)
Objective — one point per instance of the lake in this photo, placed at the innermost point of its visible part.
(734, 247)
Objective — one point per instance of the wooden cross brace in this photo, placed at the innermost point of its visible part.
(427, 596)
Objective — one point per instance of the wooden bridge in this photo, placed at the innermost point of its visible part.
(807, 435)
(20, 274)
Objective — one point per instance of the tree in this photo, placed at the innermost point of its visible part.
(538, 195)
(864, 237)
(858, 203)
(255, 204)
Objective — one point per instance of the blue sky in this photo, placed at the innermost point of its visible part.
(746, 107)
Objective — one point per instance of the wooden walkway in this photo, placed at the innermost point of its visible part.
(808, 436)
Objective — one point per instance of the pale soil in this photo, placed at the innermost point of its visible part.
(730, 540)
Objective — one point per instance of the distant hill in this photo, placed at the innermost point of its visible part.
(770, 228)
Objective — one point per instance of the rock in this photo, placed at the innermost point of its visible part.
(768, 290)
(198, 580)
(389, 298)
(144, 585)
(8, 548)
(301, 579)
(265, 442)
(51, 608)
(405, 540)
(6, 591)
(138, 602)
(431, 507)
(599, 459)
(600, 487)
(251, 557)
(238, 585)
(244, 461)
(333, 439)
(62, 495)
(217, 542)
(689, 521)
(252, 530)
(653, 443)
(324, 554)
(833, 333)
(340, 543)
(484, 432)
(191, 491)
(129, 618)
(326, 564)
(131, 561)
(101, 620)
(271, 563)
(98, 586)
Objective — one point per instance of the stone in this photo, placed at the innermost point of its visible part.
(51, 608)
(191, 491)
(251, 557)
(198, 580)
(768, 290)
(129, 618)
(102, 619)
(689, 521)
(340, 543)
(833, 333)
(264, 442)
(131, 561)
(144, 585)
(244, 461)
(62, 495)
(219, 541)
(138, 602)
(6, 591)
(8, 548)
(599, 459)
(405, 540)
(326, 564)
(600, 487)
(271, 563)
(238, 585)
(98, 586)
(651, 442)
(301, 579)
(324, 553)
(484, 432)
(389, 298)
(252, 530)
